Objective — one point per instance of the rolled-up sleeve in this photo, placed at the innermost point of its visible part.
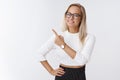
(83, 55)
(45, 48)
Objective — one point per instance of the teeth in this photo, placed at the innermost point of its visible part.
(71, 22)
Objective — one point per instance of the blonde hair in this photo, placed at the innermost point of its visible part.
(82, 25)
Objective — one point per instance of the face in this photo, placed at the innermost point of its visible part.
(73, 17)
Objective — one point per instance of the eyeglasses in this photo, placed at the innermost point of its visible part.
(75, 15)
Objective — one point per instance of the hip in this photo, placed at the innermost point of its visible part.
(72, 73)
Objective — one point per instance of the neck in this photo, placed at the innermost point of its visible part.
(75, 30)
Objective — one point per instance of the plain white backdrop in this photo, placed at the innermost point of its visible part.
(26, 24)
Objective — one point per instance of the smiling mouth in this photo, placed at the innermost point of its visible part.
(70, 22)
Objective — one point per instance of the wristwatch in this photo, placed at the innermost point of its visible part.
(62, 46)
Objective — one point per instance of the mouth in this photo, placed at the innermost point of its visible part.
(71, 22)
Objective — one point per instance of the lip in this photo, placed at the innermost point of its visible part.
(71, 22)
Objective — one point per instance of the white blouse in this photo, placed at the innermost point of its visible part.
(83, 53)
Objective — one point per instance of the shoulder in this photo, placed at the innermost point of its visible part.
(51, 38)
(90, 37)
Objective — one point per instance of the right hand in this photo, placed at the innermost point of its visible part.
(58, 72)
(59, 40)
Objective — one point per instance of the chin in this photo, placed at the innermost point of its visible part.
(71, 25)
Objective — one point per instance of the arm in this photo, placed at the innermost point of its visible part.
(47, 66)
(45, 48)
(48, 46)
(82, 56)
(54, 72)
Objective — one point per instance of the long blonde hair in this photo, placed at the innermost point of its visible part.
(82, 25)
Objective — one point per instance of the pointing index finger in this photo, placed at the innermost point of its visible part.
(54, 32)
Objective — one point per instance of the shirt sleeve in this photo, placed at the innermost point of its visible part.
(82, 56)
(45, 48)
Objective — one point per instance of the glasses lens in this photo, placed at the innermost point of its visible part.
(75, 15)
(68, 15)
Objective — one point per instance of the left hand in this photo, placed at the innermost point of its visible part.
(59, 40)
(58, 72)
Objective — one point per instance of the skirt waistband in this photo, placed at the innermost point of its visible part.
(80, 69)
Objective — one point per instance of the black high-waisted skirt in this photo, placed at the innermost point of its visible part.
(72, 74)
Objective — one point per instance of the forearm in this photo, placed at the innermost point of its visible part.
(46, 65)
(69, 51)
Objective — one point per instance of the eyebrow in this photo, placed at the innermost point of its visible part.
(74, 13)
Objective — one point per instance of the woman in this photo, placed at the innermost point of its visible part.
(74, 46)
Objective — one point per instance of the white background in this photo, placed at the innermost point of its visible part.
(26, 24)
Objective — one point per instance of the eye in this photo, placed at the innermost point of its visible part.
(68, 14)
(77, 15)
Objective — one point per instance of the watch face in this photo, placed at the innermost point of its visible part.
(62, 46)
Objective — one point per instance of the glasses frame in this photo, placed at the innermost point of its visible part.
(75, 15)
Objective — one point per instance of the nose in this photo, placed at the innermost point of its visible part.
(72, 17)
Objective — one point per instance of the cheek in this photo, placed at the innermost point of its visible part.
(66, 20)
(78, 21)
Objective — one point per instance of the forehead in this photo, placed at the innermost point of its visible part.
(74, 9)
